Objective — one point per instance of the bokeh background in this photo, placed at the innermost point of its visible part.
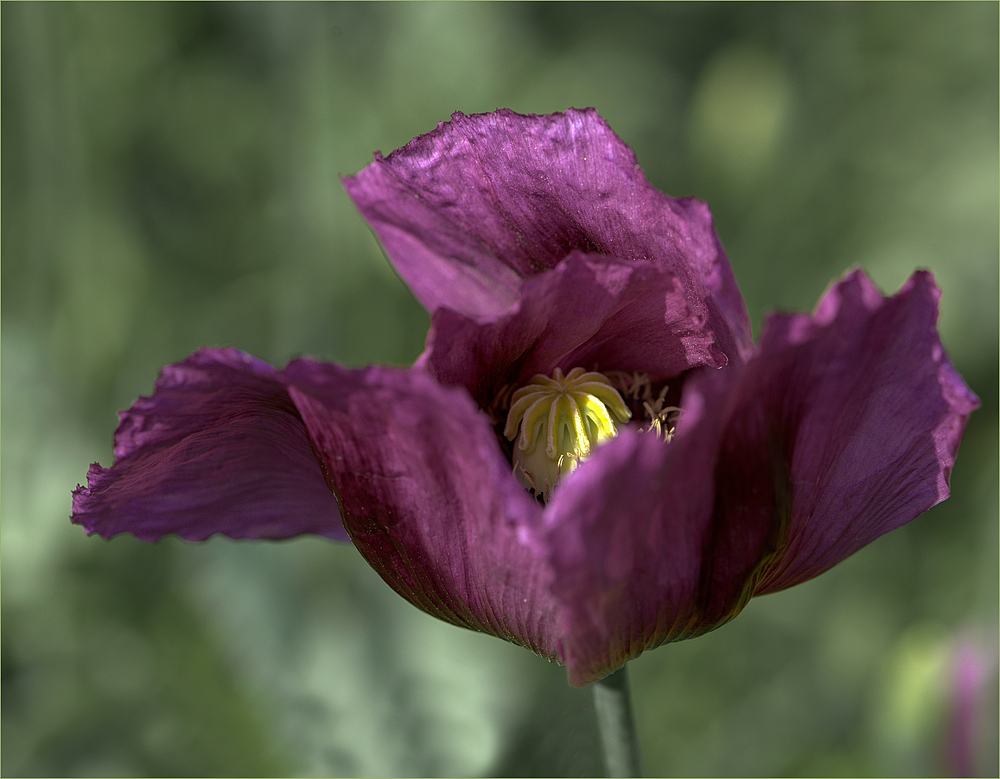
(171, 180)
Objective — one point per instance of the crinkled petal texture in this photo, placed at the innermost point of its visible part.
(470, 210)
(589, 311)
(428, 497)
(218, 448)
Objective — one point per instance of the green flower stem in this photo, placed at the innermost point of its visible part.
(619, 741)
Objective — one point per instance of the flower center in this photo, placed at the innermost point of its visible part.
(561, 419)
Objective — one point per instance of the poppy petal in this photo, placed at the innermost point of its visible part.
(470, 210)
(643, 548)
(866, 411)
(428, 497)
(218, 448)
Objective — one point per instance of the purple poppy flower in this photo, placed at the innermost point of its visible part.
(591, 457)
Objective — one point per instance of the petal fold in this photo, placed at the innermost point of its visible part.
(590, 311)
(218, 448)
(428, 498)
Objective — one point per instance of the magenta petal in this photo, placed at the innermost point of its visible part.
(866, 411)
(643, 549)
(218, 448)
(428, 498)
(590, 311)
(471, 209)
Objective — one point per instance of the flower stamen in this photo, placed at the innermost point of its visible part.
(634, 386)
(637, 388)
(661, 417)
(558, 421)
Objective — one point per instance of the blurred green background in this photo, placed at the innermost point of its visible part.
(171, 180)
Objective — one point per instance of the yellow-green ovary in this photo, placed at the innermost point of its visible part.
(561, 420)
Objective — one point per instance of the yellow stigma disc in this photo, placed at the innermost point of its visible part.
(561, 419)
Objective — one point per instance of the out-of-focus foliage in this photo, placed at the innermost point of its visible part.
(170, 179)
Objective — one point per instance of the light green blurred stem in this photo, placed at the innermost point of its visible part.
(619, 741)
